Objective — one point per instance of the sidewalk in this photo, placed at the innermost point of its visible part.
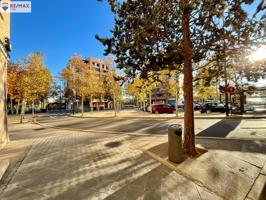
(74, 165)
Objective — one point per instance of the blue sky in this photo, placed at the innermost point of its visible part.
(60, 28)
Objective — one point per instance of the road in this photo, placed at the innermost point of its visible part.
(55, 163)
(208, 128)
(131, 123)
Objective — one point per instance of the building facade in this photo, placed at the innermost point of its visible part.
(4, 51)
(99, 65)
(102, 67)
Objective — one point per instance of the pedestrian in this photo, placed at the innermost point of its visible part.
(206, 108)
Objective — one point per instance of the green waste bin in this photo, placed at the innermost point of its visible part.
(175, 143)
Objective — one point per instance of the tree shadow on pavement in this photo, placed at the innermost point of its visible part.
(220, 129)
(85, 168)
(242, 145)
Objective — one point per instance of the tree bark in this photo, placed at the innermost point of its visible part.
(189, 139)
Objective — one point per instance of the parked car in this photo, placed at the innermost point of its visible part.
(197, 106)
(162, 108)
(218, 108)
(129, 106)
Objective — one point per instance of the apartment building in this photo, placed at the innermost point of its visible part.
(102, 67)
(4, 56)
(99, 65)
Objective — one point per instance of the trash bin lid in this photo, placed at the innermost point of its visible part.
(175, 126)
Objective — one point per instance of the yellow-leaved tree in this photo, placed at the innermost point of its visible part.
(82, 79)
(38, 78)
(112, 89)
(28, 81)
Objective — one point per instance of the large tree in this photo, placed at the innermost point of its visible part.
(152, 35)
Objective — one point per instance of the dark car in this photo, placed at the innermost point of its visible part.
(218, 108)
(162, 108)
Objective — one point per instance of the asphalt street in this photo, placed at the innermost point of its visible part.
(205, 128)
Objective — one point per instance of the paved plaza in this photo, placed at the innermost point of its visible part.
(49, 163)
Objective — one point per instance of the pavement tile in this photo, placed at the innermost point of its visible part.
(22, 194)
(74, 165)
(219, 170)
(257, 189)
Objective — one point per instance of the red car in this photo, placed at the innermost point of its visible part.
(162, 108)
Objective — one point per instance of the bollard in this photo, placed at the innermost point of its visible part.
(175, 143)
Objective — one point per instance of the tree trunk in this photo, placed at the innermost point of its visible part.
(82, 105)
(144, 105)
(11, 105)
(241, 98)
(91, 104)
(32, 109)
(17, 108)
(150, 98)
(42, 104)
(98, 107)
(189, 134)
(47, 106)
(22, 113)
(115, 106)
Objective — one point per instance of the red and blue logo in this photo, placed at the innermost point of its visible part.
(4, 5)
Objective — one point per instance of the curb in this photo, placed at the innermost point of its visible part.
(4, 164)
(120, 117)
